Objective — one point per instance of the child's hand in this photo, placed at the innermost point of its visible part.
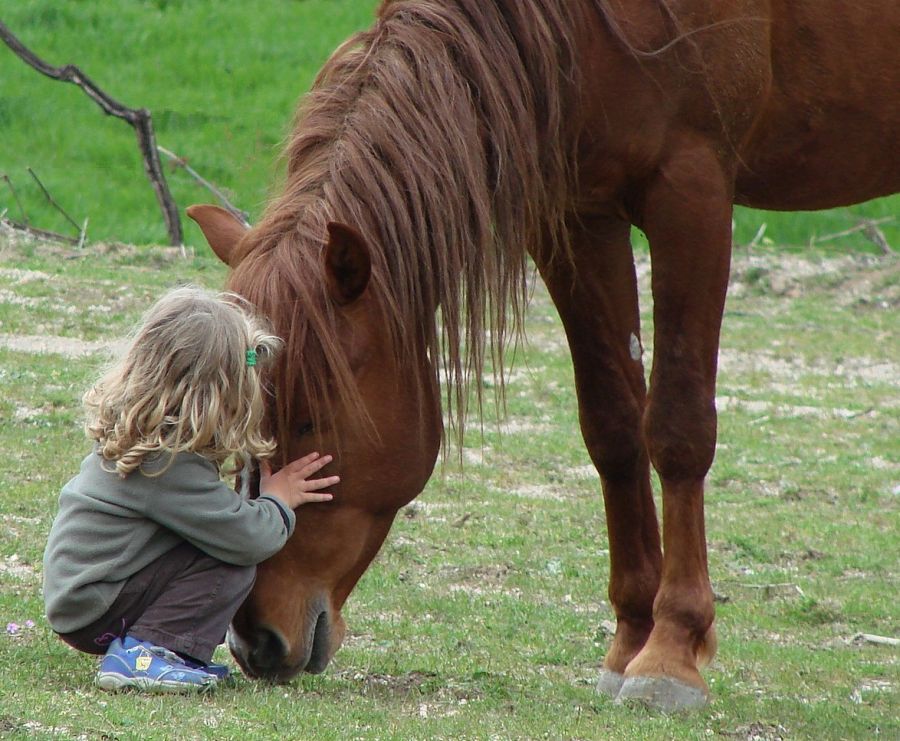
(292, 485)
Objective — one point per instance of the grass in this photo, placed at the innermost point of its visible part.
(485, 616)
(222, 81)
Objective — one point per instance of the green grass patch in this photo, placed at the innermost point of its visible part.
(222, 82)
(485, 614)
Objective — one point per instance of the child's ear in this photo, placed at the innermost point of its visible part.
(348, 264)
(222, 229)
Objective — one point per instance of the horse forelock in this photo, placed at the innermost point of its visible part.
(442, 135)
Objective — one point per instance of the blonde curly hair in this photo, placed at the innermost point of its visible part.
(185, 383)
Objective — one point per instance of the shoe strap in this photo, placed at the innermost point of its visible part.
(166, 654)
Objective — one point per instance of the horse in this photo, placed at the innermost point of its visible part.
(440, 150)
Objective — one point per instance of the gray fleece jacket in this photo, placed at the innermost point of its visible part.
(109, 528)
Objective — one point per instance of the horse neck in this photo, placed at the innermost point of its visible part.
(444, 136)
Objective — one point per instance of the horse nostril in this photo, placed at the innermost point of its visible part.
(268, 650)
(319, 655)
(267, 653)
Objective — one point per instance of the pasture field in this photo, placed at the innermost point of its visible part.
(222, 81)
(484, 616)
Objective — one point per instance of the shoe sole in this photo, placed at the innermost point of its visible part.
(112, 682)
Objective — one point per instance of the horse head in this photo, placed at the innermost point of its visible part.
(393, 263)
(339, 387)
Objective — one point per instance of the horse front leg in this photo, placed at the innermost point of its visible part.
(686, 214)
(596, 296)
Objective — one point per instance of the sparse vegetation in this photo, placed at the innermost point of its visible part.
(485, 614)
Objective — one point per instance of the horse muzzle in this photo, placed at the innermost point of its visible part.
(265, 651)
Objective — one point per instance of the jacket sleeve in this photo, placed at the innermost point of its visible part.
(191, 500)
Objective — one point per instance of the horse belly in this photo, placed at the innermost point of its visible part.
(829, 133)
(821, 168)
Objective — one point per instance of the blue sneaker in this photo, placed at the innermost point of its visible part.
(220, 671)
(133, 664)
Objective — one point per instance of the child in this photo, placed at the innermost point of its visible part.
(151, 553)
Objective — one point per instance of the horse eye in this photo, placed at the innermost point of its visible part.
(305, 429)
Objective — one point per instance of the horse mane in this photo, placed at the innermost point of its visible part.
(444, 134)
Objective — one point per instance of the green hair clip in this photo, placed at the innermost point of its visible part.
(251, 358)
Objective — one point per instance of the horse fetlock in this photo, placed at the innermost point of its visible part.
(673, 653)
(663, 675)
(686, 615)
(706, 647)
(627, 643)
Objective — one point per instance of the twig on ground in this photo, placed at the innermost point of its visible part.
(865, 412)
(33, 231)
(869, 227)
(767, 589)
(876, 236)
(51, 200)
(139, 119)
(760, 233)
(81, 238)
(877, 640)
(181, 162)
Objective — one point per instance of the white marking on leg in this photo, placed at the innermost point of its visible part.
(634, 347)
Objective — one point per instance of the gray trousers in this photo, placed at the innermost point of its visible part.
(183, 601)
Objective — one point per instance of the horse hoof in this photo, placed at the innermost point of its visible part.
(610, 682)
(662, 693)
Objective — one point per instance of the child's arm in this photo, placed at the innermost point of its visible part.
(292, 485)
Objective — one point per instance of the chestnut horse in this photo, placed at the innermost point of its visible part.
(442, 147)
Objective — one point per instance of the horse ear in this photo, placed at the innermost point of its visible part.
(348, 265)
(222, 229)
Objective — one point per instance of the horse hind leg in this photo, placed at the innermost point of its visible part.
(598, 303)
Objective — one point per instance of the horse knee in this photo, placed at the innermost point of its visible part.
(681, 436)
(614, 442)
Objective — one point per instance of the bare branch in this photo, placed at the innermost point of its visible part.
(35, 232)
(869, 227)
(51, 201)
(876, 639)
(876, 236)
(179, 161)
(760, 233)
(83, 236)
(15, 196)
(139, 119)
